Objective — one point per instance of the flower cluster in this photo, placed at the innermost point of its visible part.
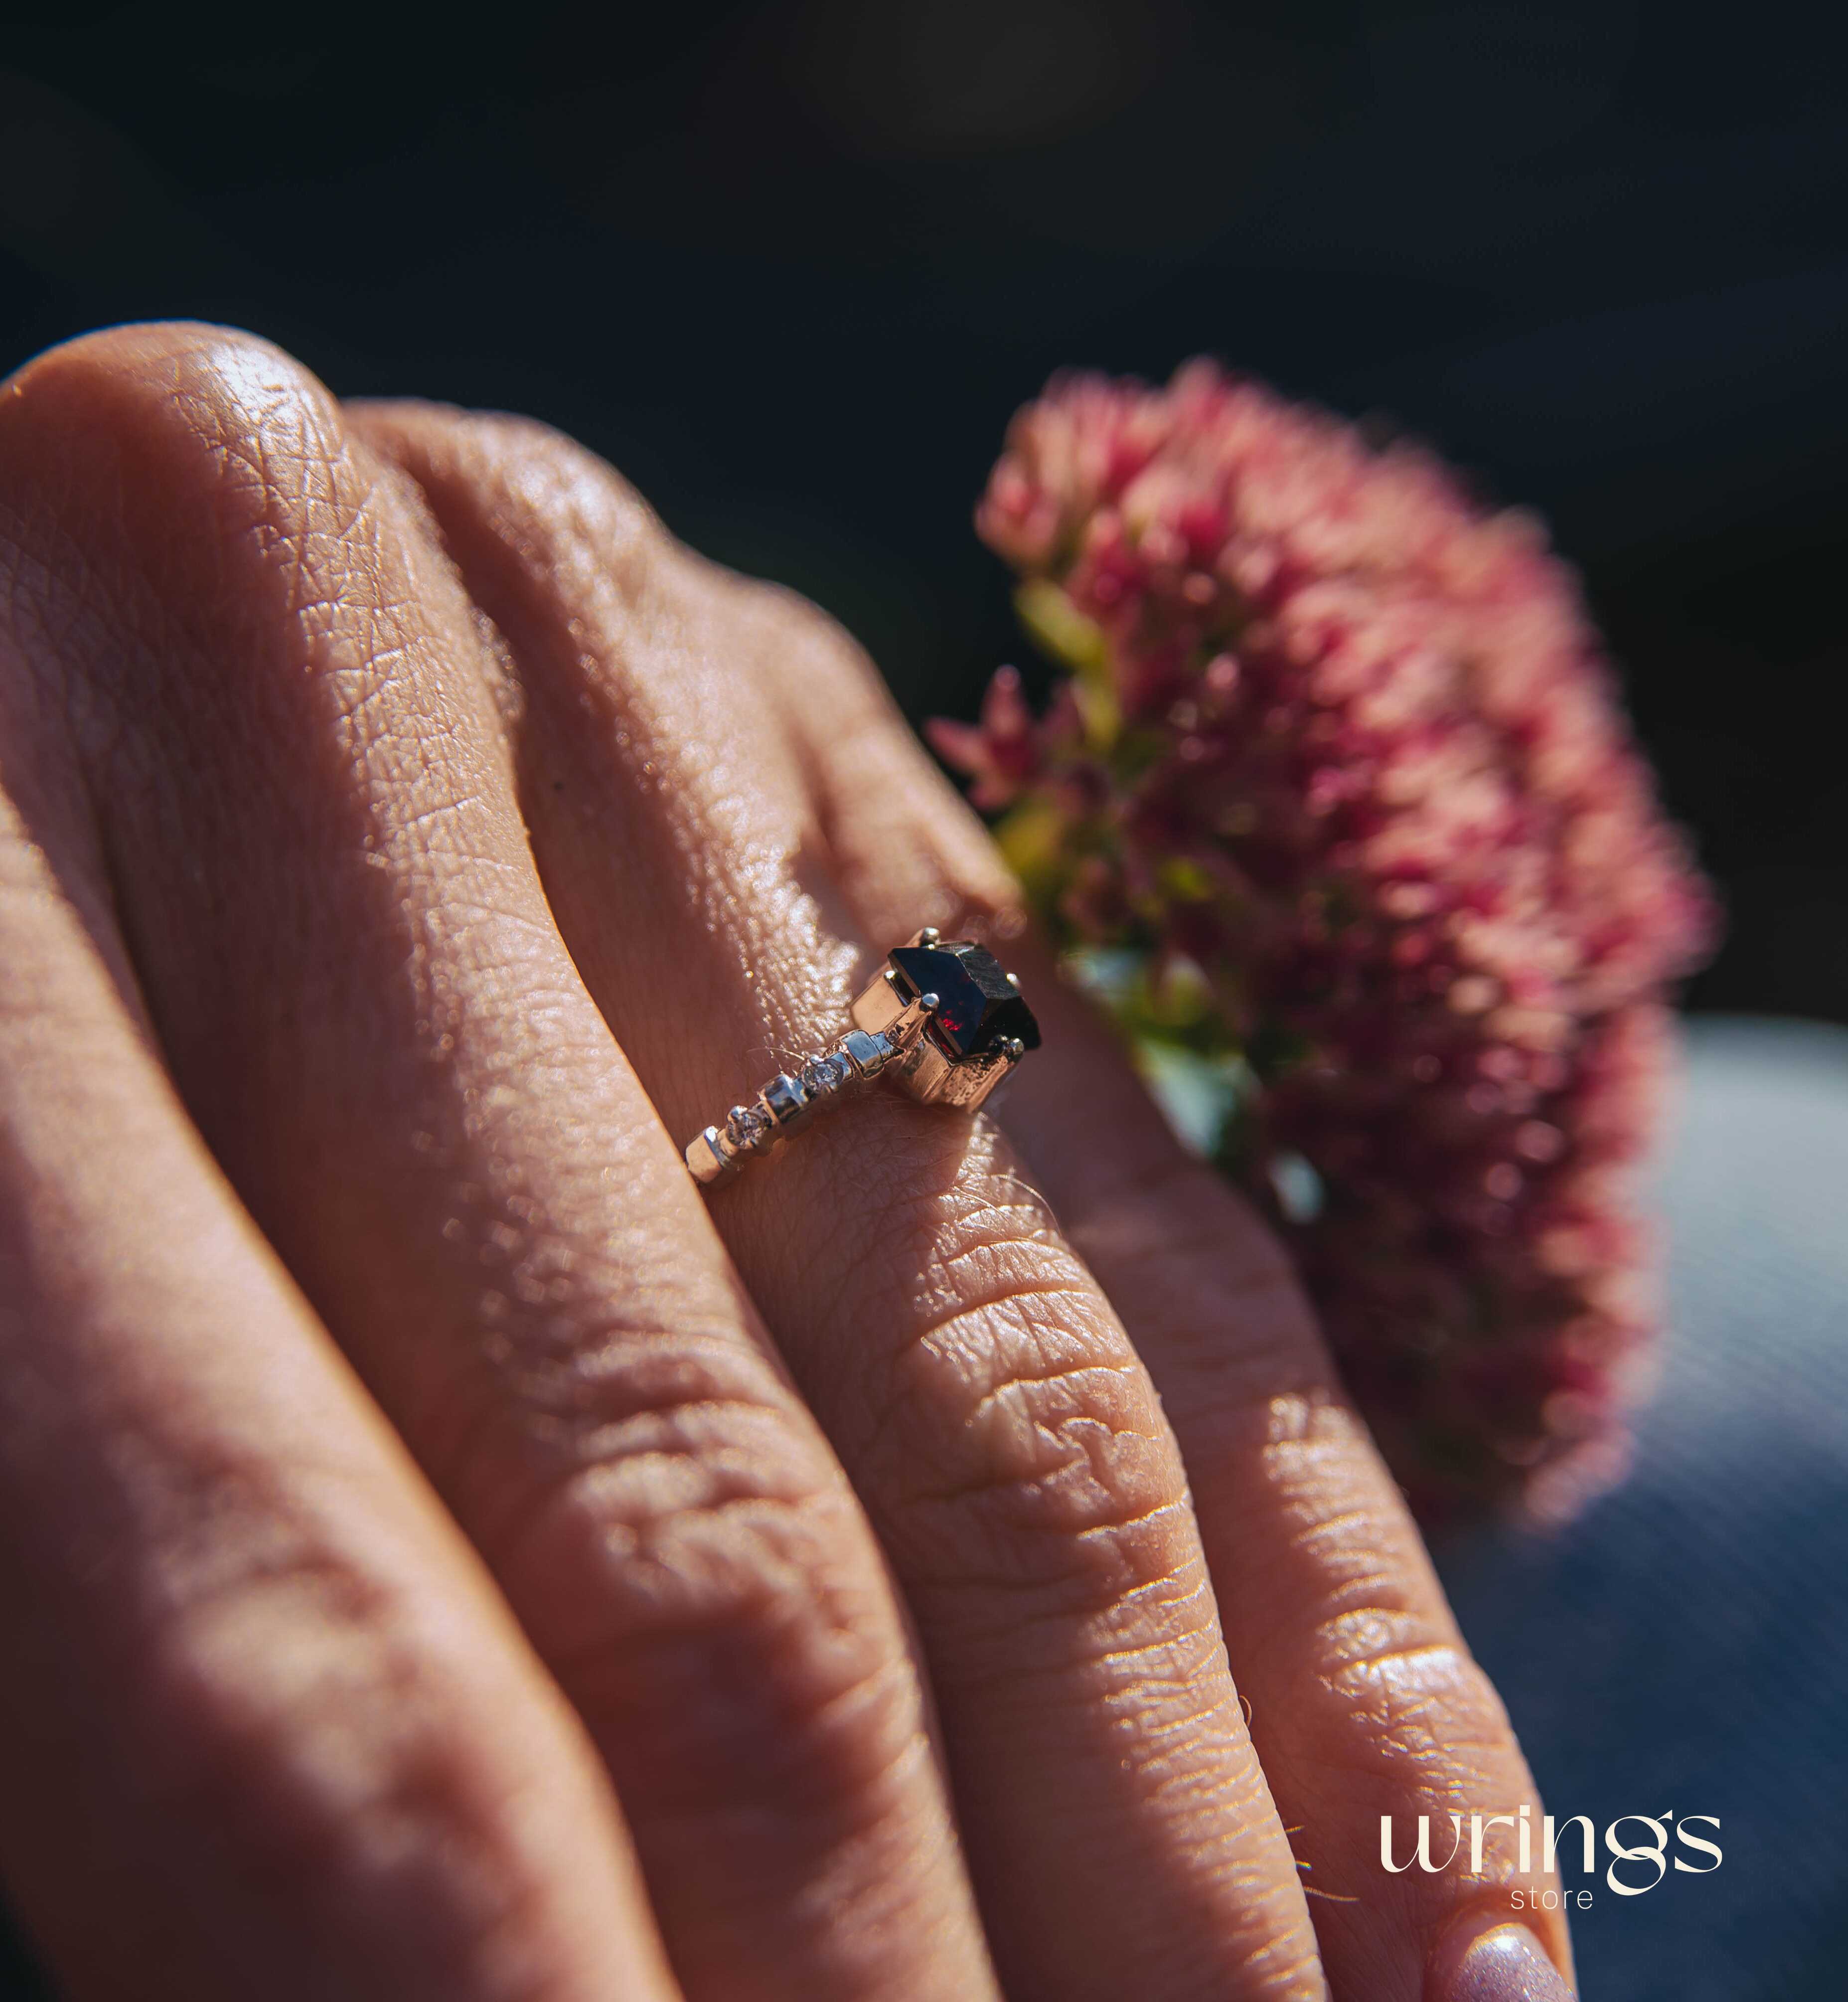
(1338, 811)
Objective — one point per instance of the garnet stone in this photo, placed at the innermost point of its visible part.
(978, 1008)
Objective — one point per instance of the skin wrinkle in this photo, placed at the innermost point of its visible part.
(456, 980)
(1370, 1631)
(1367, 1582)
(1111, 1533)
(1406, 1679)
(798, 1747)
(591, 1426)
(1056, 1376)
(1332, 1537)
(799, 1740)
(1291, 1418)
(1005, 1297)
(228, 1543)
(337, 1799)
(1124, 1659)
(995, 1413)
(653, 1510)
(581, 1509)
(345, 1672)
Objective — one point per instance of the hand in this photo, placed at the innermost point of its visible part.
(445, 1554)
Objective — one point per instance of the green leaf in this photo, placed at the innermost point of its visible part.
(1065, 634)
(1032, 834)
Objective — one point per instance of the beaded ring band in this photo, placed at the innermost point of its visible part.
(942, 1019)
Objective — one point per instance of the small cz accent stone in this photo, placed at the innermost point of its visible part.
(744, 1123)
(821, 1075)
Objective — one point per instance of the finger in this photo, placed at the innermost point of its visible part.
(1365, 1702)
(348, 957)
(1367, 1706)
(266, 1730)
(984, 1399)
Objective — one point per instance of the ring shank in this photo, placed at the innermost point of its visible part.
(789, 1099)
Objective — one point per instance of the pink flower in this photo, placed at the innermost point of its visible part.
(1339, 808)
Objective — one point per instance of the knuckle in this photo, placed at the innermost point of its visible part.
(810, 642)
(528, 472)
(1022, 1436)
(1420, 1699)
(207, 406)
(299, 1708)
(704, 1587)
(176, 500)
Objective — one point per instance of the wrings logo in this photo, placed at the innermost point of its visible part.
(1628, 1860)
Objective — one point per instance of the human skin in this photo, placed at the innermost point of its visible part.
(447, 1555)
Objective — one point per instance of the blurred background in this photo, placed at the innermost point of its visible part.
(791, 265)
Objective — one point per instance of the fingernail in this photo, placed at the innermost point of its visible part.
(1508, 1964)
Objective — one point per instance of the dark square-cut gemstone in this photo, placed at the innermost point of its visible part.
(977, 1008)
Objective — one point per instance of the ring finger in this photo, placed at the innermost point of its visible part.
(984, 1398)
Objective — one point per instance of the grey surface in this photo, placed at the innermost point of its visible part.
(1685, 1647)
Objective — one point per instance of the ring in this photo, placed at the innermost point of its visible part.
(942, 1018)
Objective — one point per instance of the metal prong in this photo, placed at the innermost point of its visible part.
(928, 936)
(1013, 980)
(1014, 1049)
(929, 1002)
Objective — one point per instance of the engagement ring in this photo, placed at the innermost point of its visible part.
(942, 1018)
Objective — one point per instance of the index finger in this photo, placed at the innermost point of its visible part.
(265, 1725)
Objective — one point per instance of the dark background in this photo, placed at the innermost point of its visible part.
(790, 266)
